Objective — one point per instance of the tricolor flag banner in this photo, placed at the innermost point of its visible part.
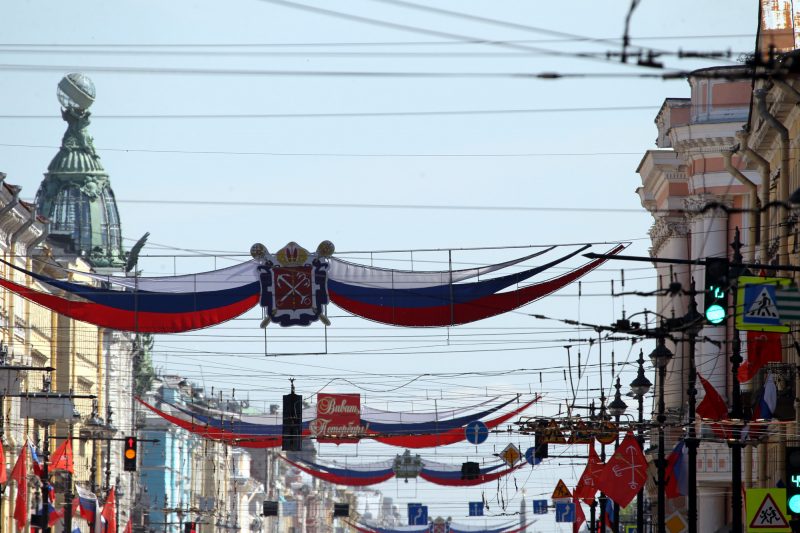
(38, 468)
(677, 472)
(87, 503)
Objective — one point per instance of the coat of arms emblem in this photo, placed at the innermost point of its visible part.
(294, 283)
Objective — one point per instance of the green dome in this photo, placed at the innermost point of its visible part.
(76, 197)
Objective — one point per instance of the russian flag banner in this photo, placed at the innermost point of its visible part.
(87, 503)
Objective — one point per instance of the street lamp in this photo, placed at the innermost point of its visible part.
(640, 386)
(661, 356)
(616, 409)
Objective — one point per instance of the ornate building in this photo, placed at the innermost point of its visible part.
(697, 164)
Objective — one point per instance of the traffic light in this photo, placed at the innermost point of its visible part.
(341, 509)
(540, 448)
(792, 477)
(715, 304)
(130, 454)
(470, 470)
(292, 432)
(270, 508)
(39, 521)
(190, 527)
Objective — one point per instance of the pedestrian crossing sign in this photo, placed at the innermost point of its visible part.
(766, 511)
(756, 304)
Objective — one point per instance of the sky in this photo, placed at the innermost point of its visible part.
(391, 128)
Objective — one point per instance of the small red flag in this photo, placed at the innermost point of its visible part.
(625, 473)
(587, 484)
(762, 347)
(129, 527)
(20, 474)
(713, 405)
(109, 512)
(62, 457)
(3, 471)
(580, 518)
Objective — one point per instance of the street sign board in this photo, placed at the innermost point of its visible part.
(529, 456)
(539, 506)
(756, 307)
(561, 491)
(417, 514)
(511, 454)
(565, 512)
(476, 432)
(766, 511)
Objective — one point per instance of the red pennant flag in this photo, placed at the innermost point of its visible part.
(109, 512)
(3, 471)
(625, 473)
(129, 527)
(20, 474)
(587, 484)
(62, 458)
(580, 518)
(713, 405)
(762, 347)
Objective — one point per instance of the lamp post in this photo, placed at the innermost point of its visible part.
(616, 409)
(640, 386)
(661, 356)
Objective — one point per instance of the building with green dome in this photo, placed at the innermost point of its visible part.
(75, 195)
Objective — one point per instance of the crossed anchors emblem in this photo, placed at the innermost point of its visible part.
(619, 470)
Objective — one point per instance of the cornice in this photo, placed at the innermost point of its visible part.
(665, 229)
(695, 204)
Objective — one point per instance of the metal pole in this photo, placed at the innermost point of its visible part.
(616, 446)
(692, 442)
(45, 478)
(640, 439)
(603, 498)
(662, 463)
(736, 412)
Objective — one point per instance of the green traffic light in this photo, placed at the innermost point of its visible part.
(794, 504)
(715, 313)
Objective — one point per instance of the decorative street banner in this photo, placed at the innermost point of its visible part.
(293, 286)
(338, 418)
(404, 429)
(294, 283)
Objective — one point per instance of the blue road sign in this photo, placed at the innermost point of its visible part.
(417, 514)
(476, 432)
(476, 508)
(539, 506)
(631, 529)
(565, 512)
(533, 461)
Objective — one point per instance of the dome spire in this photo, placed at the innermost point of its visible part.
(76, 194)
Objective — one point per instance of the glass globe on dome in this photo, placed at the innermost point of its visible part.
(76, 92)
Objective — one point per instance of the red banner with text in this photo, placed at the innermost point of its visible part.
(338, 418)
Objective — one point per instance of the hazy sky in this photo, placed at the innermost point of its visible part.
(220, 103)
